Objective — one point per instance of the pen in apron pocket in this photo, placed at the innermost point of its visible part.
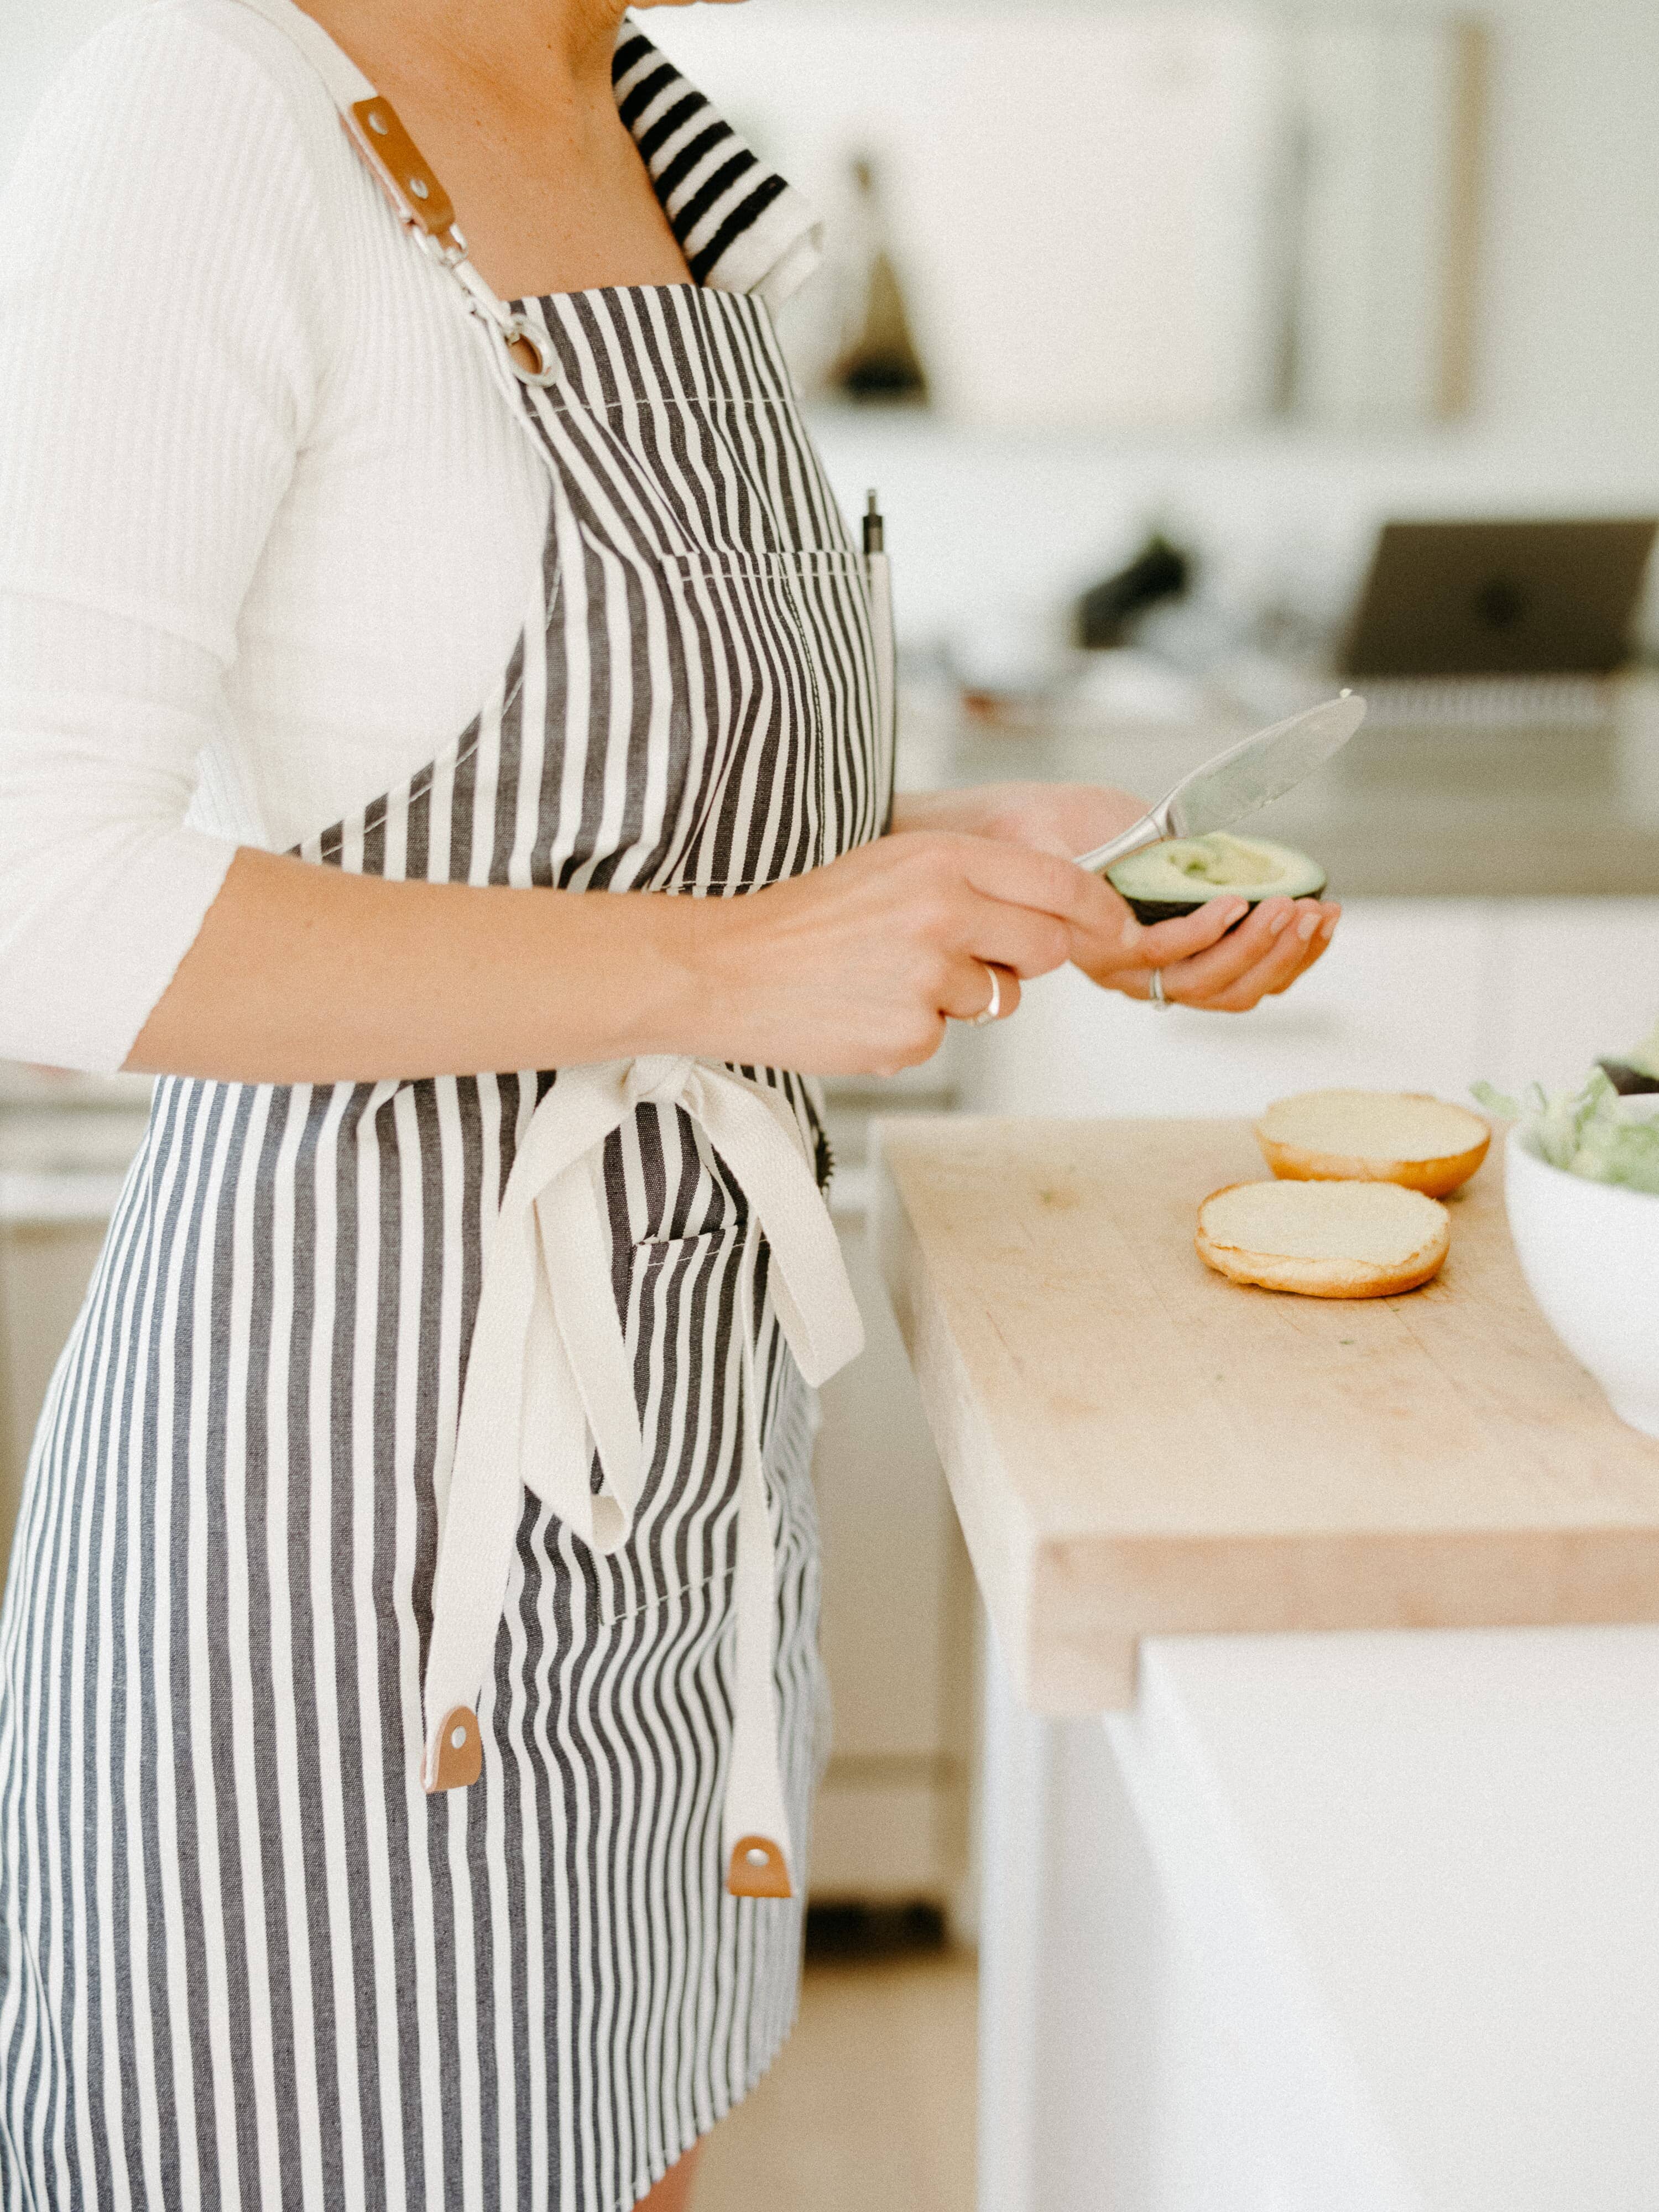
(881, 623)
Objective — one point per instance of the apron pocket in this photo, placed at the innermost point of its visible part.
(681, 1329)
(783, 678)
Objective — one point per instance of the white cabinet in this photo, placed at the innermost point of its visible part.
(64, 1145)
(44, 1267)
(891, 1822)
(1356, 1922)
(891, 1818)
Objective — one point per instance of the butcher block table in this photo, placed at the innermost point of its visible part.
(1344, 1890)
(1137, 1446)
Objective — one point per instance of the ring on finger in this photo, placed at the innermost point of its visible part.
(994, 1011)
(1156, 992)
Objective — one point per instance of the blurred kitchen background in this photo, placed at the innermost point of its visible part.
(1146, 320)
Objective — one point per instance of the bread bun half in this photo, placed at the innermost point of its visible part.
(1373, 1136)
(1324, 1240)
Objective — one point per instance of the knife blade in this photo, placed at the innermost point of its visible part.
(1235, 783)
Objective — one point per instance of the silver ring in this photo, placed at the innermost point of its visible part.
(1156, 992)
(992, 1011)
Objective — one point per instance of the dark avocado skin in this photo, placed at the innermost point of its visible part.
(1151, 910)
(1628, 1082)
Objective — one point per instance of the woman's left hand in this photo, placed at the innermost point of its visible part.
(1203, 959)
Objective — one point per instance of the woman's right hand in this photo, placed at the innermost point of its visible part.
(853, 968)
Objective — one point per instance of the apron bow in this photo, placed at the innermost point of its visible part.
(549, 1386)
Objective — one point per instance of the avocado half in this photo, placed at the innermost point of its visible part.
(1184, 873)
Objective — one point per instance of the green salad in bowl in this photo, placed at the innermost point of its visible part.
(1593, 1133)
(1580, 1183)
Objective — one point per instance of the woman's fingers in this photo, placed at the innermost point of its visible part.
(1047, 883)
(1267, 980)
(1162, 944)
(1125, 945)
(1014, 937)
(975, 985)
(1270, 932)
(1277, 949)
(1318, 945)
(1262, 958)
(1015, 907)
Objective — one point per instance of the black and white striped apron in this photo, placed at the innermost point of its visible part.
(402, 1409)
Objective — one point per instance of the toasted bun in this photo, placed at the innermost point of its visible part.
(1324, 1240)
(1373, 1136)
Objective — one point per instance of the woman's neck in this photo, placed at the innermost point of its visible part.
(557, 50)
(511, 102)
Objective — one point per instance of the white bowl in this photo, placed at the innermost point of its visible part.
(1590, 1252)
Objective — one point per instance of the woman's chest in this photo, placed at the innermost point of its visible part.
(612, 634)
(714, 645)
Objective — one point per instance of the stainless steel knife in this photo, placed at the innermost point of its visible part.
(1235, 783)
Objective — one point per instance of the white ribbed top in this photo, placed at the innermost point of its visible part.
(268, 527)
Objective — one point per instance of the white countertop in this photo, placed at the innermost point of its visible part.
(1425, 1868)
(70, 1196)
(1517, 807)
(65, 1163)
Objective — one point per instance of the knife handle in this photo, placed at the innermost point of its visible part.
(1151, 830)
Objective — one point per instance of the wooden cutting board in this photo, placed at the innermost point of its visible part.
(1137, 1447)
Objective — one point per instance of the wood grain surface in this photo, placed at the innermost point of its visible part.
(1137, 1446)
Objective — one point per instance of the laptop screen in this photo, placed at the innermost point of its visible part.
(1500, 599)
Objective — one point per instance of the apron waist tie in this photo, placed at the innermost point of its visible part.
(549, 1369)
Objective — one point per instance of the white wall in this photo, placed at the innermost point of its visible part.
(1570, 323)
(1569, 307)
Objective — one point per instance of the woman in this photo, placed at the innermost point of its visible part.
(407, 1722)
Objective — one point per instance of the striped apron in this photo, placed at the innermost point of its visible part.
(408, 1689)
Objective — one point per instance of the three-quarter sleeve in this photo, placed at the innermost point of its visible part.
(164, 332)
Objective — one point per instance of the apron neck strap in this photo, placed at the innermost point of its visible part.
(412, 184)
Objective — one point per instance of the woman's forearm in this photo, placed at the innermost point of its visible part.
(311, 974)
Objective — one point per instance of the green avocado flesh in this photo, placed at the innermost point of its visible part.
(1162, 881)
